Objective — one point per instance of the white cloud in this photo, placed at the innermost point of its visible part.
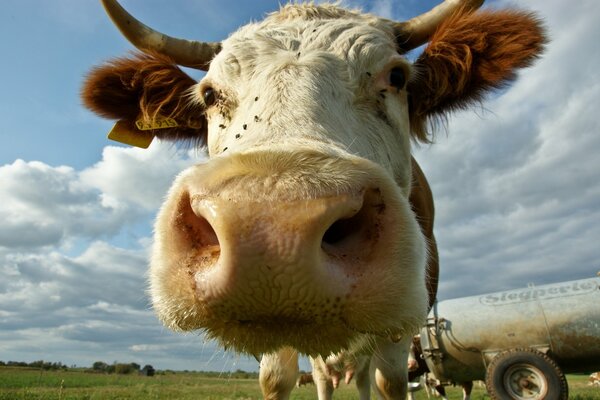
(49, 206)
(42, 205)
(137, 177)
(47, 282)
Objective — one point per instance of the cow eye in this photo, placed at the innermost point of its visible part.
(209, 96)
(397, 78)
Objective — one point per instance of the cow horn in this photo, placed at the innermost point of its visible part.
(188, 53)
(417, 31)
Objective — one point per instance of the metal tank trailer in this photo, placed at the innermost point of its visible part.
(521, 342)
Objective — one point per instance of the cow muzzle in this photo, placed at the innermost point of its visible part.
(260, 249)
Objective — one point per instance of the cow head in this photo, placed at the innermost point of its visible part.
(300, 222)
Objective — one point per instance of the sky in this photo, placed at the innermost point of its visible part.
(515, 181)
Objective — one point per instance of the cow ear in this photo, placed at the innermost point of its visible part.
(470, 54)
(146, 90)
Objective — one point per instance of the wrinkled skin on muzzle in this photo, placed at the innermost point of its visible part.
(266, 248)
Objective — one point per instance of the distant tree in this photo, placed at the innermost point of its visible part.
(2, 363)
(100, 366)
(148, 370)
(45, 365)
(17, 364)
(56, 366)
(124, 369)
(240, 374)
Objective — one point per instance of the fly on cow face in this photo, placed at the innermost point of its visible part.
(322, 97)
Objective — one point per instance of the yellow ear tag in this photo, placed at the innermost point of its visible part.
(125, 132)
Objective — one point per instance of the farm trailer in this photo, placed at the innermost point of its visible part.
(521, 342)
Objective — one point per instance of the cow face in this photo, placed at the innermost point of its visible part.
(335, 85)
(300, 222)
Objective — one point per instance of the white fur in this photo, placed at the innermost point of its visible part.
(314, 89)
(278, 374)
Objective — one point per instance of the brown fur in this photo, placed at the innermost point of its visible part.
(470, 54)
(145, 86)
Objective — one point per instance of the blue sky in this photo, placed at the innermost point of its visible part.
(516, 182)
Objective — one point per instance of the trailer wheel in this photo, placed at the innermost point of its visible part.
(522, 374)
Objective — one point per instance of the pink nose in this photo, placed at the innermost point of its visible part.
(253, 257)
(262, 249)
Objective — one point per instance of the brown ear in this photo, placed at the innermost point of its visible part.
(421, 201)
(469, 55)
(147, 87)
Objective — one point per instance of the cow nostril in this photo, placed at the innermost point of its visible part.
(354, 234)
(194, 230)
(341, 229)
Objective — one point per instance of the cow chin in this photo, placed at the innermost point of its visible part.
(264, 336)
(265, 249)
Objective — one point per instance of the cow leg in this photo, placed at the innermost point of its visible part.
(278, 374)
(467, 388)
(363, 380)
(441, 391)
(389, 368)
(322, 380)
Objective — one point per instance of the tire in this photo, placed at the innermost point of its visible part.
(525, 374)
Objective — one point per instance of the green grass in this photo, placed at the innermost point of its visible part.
(27, 383)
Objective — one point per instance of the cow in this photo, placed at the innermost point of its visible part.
(329, 372)
(304, 379)
(594, 379)
(310, 227)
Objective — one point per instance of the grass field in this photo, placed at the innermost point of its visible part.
(27, 383)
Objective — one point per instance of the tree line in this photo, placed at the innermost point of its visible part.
(126, 368)
(40, 364)
(98, 366)
(122, 368)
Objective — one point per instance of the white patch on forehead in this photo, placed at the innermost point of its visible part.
(299, 77)
(356, 39)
